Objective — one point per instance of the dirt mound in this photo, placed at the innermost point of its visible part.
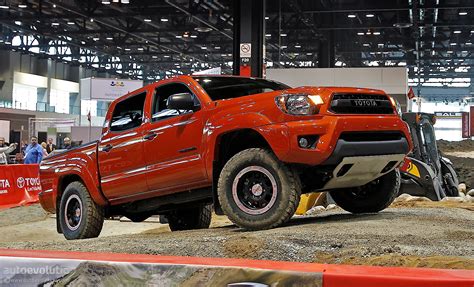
(22, 214)
(448, 146)
(464, 167)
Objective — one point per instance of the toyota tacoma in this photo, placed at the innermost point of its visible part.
(244, 147)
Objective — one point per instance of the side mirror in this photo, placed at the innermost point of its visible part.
(182, 101)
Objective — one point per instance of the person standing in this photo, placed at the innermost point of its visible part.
(5, 149)
(50, 147)
(44, 146)
(67, 143)
(34, 152)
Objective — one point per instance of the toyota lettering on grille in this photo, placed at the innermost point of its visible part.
(364, 103)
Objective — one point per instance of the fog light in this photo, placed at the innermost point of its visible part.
(303, 142)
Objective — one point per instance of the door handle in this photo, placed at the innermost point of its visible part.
(107, 148)
(150, 136)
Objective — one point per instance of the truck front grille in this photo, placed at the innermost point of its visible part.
(360, 104)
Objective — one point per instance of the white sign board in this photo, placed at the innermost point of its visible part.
(245, 50)
(212, 71)
(107, 89)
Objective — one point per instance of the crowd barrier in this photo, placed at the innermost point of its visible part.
(19, 185)
(45, 268)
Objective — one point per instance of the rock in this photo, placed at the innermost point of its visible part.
(331, 206)
(402, 197)
(315, 210)
(417, 198)
(471, 192)
(462, 188)
(469, 198)
(453, 199)
(460, 194)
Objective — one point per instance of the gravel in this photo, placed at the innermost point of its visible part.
(428, 234)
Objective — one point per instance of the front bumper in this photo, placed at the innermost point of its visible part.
(330, 149)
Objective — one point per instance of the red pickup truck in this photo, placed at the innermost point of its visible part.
(245, 147)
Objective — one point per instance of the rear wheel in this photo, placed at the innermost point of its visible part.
(79, 216)
(257, 191)
(372, 197)
(198, 217)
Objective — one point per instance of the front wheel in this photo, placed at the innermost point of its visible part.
(79, 216)
(372, 197)
(257, 191)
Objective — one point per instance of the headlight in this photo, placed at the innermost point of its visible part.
(396, 105)
(299, 104)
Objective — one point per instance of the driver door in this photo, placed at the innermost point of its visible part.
(173, 144)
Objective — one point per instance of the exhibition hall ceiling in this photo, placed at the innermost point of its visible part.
(150, 39)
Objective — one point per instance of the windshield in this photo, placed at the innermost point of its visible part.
(221, 88)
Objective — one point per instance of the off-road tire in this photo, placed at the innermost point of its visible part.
(287, 194)
(92, 215)
(198, 217)
(370, 198)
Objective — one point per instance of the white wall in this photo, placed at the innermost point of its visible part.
(391, 80)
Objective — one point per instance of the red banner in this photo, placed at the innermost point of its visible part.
(19, 185)
(465, 125)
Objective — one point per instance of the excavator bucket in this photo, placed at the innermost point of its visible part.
(309, 200)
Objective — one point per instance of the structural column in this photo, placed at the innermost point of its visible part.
(249, 37)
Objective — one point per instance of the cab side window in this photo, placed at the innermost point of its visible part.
(128, 114)
(160, 110)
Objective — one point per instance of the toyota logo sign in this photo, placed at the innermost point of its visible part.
(20, 182)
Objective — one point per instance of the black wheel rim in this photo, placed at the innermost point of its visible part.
(254, 190)
(73, 212)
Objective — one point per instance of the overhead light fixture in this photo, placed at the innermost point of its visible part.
(266, 17)
(366, 45)
(92, 20)
(54, 5)
(297, 46)
(18, 22)
(351, 16)
(106, 2)
(376, 33)
(368, 33)
(284, 47)
(457, 32)
(147, 20)
(204, 47)
(402, 25)
(140, 49)
(55, 24)
(370, 15)
(166, 56)
(22, 5)
(109, 38)
(127, 49)
(217, 47)
(283, 34)
(462, 13)
(468, 43)
(4, 6)
(96, 38)
(179, 36)
(193, 36)
(164, 19)
(203, 29)
(360, 33)
(70, 23)
(453, 44)
(125, 1)
(83, 43)
(268, 35)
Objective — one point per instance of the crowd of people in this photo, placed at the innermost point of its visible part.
(29, 153)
